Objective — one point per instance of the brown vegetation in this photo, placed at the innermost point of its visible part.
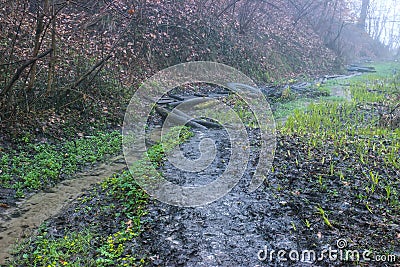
(75, 54)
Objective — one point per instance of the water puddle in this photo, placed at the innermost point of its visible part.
(341, 91)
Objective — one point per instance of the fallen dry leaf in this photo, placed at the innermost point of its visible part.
(319, 235)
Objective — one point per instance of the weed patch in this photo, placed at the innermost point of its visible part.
(337, 155)
(36, 166)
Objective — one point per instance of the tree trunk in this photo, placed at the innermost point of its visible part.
(53, 52)
(36, 49)
(363, 15)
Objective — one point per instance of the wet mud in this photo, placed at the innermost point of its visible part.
(228, 232)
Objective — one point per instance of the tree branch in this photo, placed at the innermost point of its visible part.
(83, 77)
(21, 69)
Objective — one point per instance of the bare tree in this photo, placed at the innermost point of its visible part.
(363, 14)
(41, 13)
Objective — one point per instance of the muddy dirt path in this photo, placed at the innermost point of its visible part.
(19, 222)
(228, 232)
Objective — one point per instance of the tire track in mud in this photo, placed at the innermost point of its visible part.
(20, 222)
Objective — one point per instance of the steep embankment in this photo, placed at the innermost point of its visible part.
(100, 45)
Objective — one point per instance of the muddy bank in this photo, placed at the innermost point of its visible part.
(228, 232)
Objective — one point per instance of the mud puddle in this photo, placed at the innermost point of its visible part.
(20, 222)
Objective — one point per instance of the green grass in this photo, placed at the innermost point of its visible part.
(341, 151)
(36, 166)
(88, 247)
(284, 109)
(286, 106)
(383, 77)
(353, 128)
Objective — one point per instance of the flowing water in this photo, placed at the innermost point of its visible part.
(20, 222)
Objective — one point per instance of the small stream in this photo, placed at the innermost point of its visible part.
(21, 221)
(230, 231)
